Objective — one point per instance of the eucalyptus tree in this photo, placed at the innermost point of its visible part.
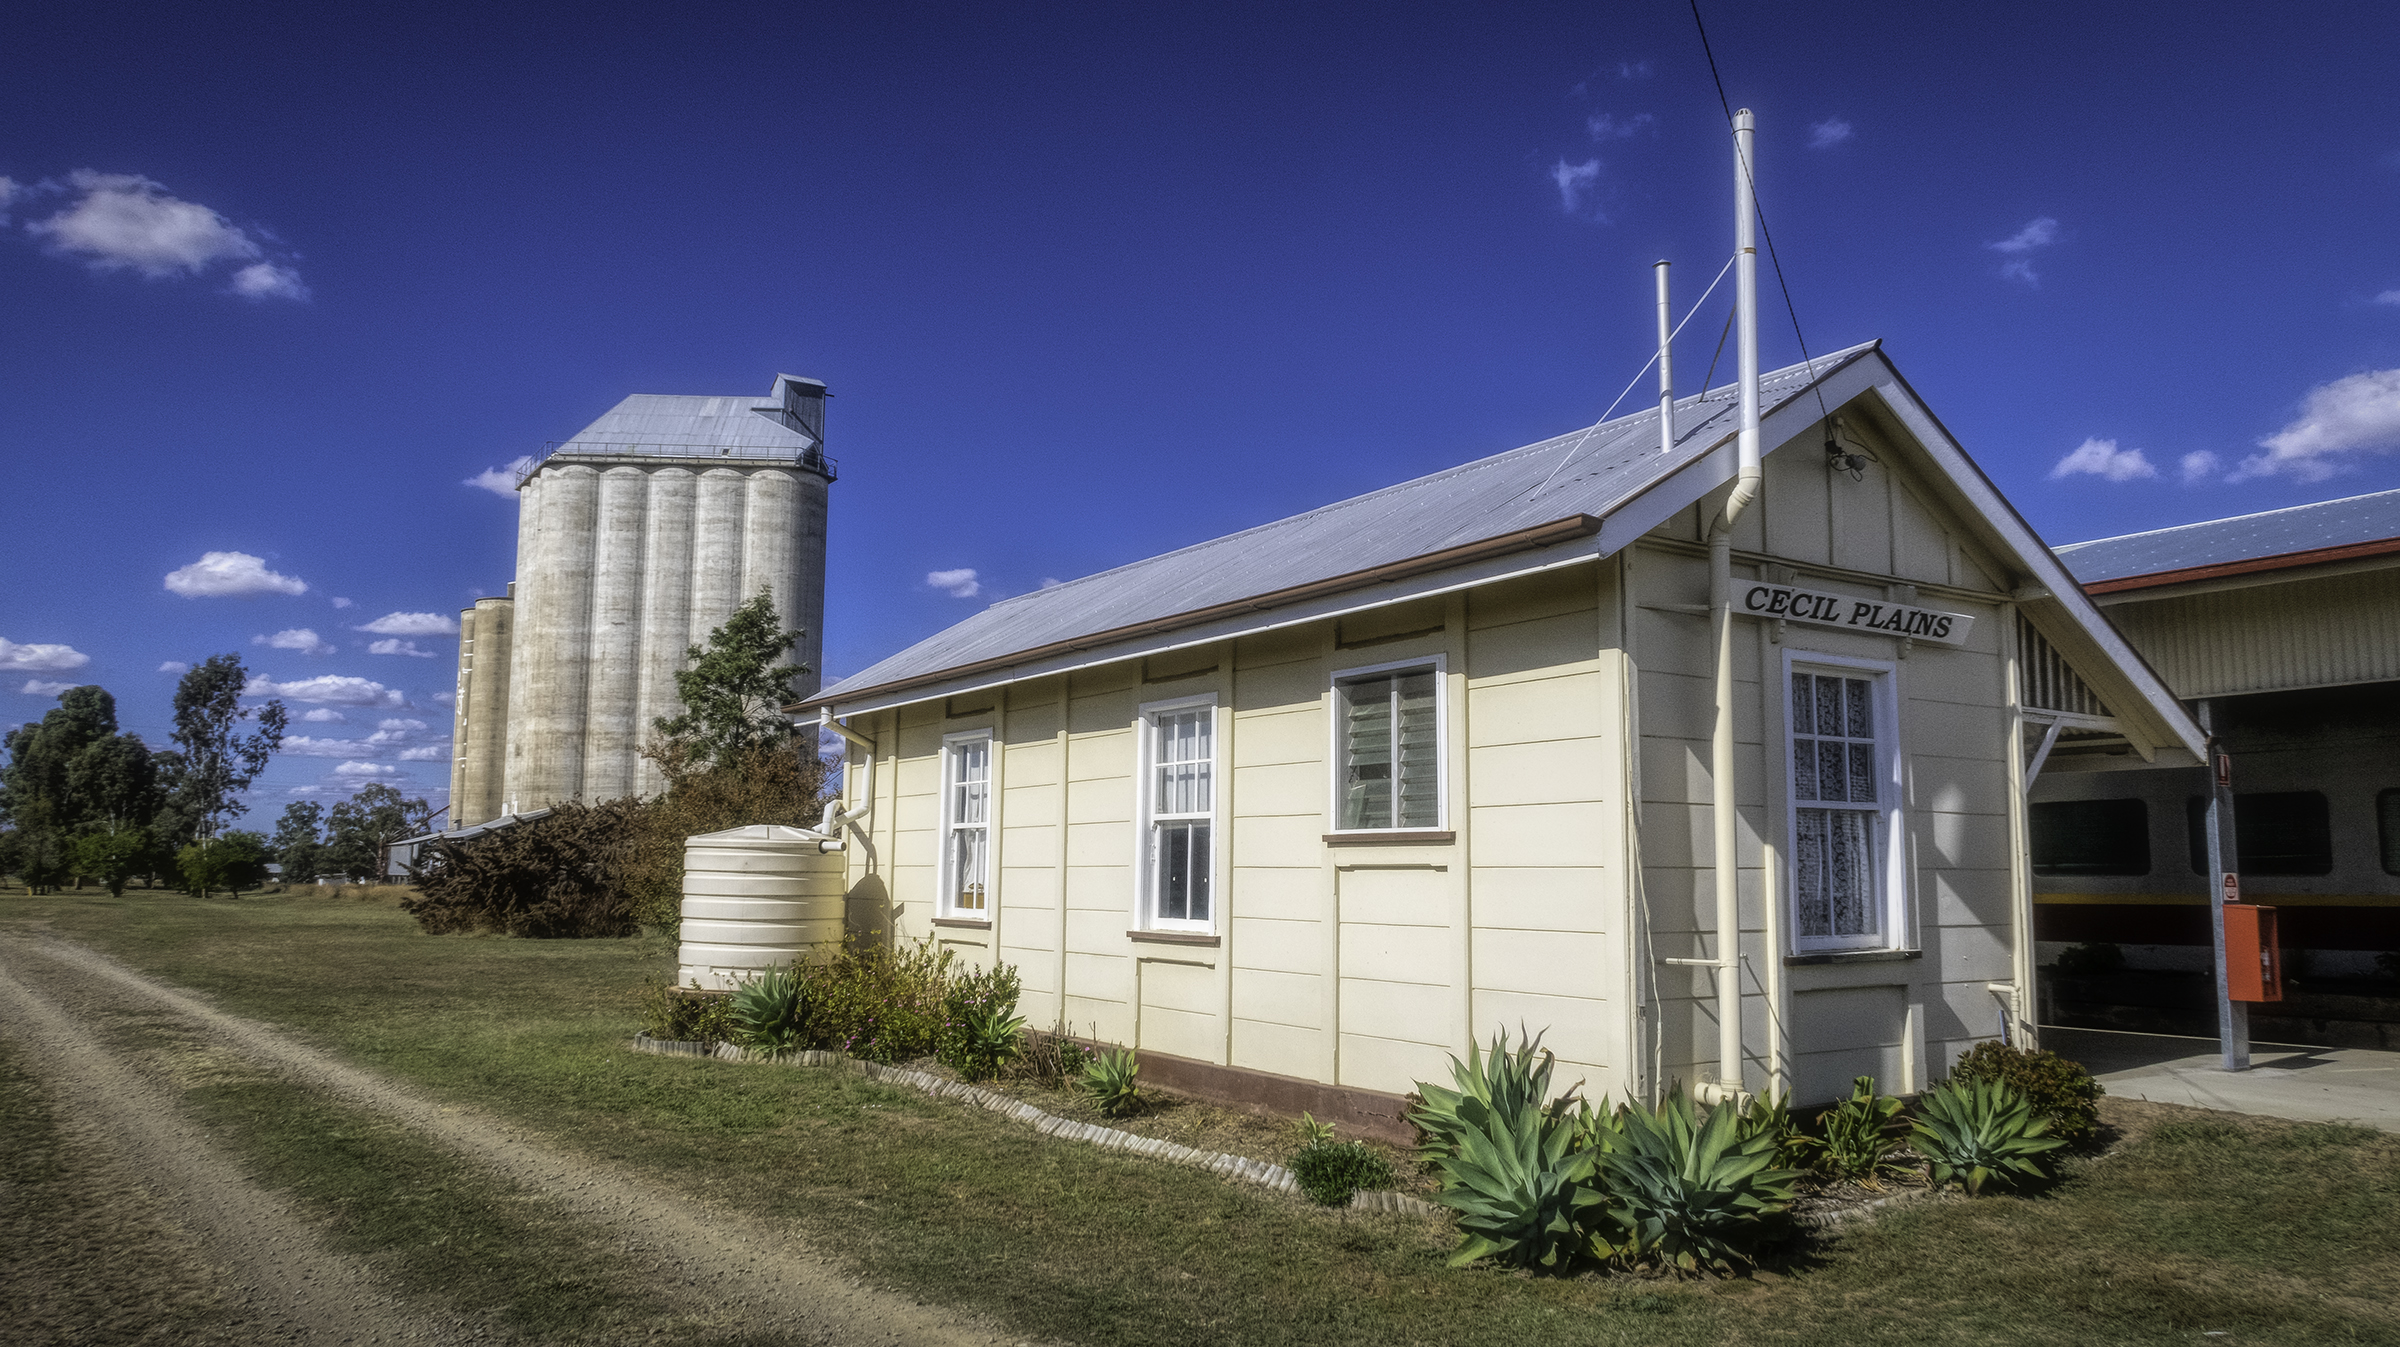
(219, 761)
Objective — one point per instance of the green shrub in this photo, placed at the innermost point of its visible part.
(1109, 1079)
(1330, 1172)
(1981, 1130)
(881, 1003)
(980, 1033)
(2062, 1092)
(1862, 1134)
(771, 1011)
(234, 861)
(1694, 1196)
(2091, 958)
(554, 877)
(677, 1015)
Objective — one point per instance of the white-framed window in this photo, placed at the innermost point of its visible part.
(1848, 865)
(1176, 837)
(1388, 755)
(967, 824)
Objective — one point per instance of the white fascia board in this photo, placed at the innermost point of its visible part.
(2018, 542)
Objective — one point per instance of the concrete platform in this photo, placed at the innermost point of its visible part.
(2359, 1085)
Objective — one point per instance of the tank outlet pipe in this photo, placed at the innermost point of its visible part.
(1666, 363)
(835, 817)
(1724, 801)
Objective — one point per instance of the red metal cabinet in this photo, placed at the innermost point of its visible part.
(2253, 959)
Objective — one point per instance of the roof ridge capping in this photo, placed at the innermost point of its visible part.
(1814, 370)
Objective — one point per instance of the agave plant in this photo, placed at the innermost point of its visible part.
(1771, 1116)
(1694, 1195)
(1862, 1134)
(1109, 1078)
(991, 1036)
(771, 1010)
(1501, 1084)
(1522, 1190)
(1976, 1132)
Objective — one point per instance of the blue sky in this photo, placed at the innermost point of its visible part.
(1092, 282)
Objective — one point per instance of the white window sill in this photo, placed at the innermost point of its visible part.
(1394, 837)
(1176, 937)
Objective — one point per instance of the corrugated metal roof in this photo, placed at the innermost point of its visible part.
(1591, 471)
(667, 423)
(2218, 542)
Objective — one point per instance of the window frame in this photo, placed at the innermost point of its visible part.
(1146, 819)
(946, 892)
(1892, 870)
(1439, 664)
(2387, 829)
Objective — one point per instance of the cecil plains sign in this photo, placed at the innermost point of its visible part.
(1849, 614)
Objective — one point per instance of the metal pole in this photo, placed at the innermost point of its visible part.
(1666, 364)
(2233, 1017)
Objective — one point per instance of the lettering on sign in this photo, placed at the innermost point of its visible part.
(1872, 616)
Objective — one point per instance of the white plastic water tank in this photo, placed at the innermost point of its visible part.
(755, 898)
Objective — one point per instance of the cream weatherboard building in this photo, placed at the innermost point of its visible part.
(1302, 811)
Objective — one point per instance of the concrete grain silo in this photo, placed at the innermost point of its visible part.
(634, 540)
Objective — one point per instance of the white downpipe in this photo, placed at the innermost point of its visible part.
(1666, 365)
(835, 817)
(1723, 804)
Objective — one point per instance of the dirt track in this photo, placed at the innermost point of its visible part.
(276, 1279)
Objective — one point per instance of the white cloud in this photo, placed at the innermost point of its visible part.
(337, 689)
(341, 603)
(265, 280)
(126, 220)
(1573, 181)
(43, 688)
(2389, 297)
(325, 715)
(2019, 247)
(429, 753)
(400, 726)
(8, 192)
(446, 698)
(2199, 466)
(1633, 70)
(363, 772)
(1832, 131)
(396, 646)
(295, 638)
(1605, 127)
(502, 481)
(1051, 582)
(412, 624)
(958, 584)
(36, 657)
(2357, 414)
(218, 575)
(175, 666)
(2102, 458)
(121, 221)
(302, 746)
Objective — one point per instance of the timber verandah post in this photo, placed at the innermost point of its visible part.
(2224, 861)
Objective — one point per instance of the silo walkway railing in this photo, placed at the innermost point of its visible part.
(806, 458)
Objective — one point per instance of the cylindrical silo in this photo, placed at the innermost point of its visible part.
(526, 589)
(666, 608)
(716, 552)
(459, 703)
(483, 695)
(557, 634)
(610, 734)
(765, 896)
(769, 496)
(805, 580)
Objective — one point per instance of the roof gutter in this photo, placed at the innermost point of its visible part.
(1556, 531)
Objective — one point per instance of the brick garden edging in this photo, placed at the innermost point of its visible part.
(1274, 1177)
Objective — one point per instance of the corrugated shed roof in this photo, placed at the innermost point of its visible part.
(1591, 472)
(2219, 542)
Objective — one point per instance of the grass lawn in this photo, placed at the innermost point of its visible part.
(2269, 1233)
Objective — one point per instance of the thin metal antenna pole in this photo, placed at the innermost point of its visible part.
(1666, 364)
